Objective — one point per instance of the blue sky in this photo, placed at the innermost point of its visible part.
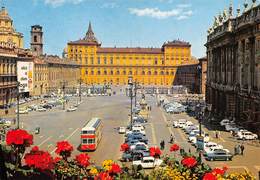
(121, 23)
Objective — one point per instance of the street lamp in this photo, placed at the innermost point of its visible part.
(130, 83)
(18, 108)
(80, 82)
(135, 89)
(63, 85)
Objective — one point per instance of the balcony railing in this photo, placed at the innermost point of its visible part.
(7, 74)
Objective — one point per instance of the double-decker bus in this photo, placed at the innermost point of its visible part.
(91, 135)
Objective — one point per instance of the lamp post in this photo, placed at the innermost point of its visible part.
(63, 85)
(135, 88)
(80, 82)
(130, 83)
(18, 108)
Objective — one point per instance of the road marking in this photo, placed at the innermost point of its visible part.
(257, 167)
(44, 141)
(153, 134)
(67, 138)
(238, 167)
(49, 146)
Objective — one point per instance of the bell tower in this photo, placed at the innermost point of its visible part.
(37, 40)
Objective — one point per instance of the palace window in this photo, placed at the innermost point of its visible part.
(105, 60)
(86, 72)
(86, 59)
(117, 72)
(149, 73)
(105, 72)
(155, 72)
(92, 60)
(130, 72)
(162, 73)
(98, 73)
(92, 72)
(111, 72)
(143, 72)
(124, 72)
(155, 61)
(111, 60)
(172, 72)
(98, 60)
(167, 72)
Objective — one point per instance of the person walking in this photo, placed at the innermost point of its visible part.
(162, 144)
(242, 147)
(171, 139)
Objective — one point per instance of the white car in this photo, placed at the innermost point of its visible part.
(246, 135)
(193, 138)
(137, 127)
(187, 124)
(175, 124)
(22, 111)
(209, 145)
(71, 109)
(122, 130)
(132, 147)
(41, 109)
(231, 127)
(148, 162)
(135, 131)
(213, 150)
(225, 122)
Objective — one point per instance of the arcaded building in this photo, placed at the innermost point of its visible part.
(233, 74)
(114, 65)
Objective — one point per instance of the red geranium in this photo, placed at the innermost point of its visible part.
(189, 162)
(209, 176)
(103, 176)
(64, 147)
(19, 137)
(83, 159)
(115, 168)
(155, 151)
(39, 159)
(174, 147)
(124, 147)
(56, 159)
(219, 171)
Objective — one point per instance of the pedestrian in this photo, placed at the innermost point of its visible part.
(162, 143)
(150, 108)
(216, 134)
(242, 149)
(171, 139)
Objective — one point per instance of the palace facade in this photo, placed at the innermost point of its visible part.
(7, 30)
(113, 65)
(233, 75)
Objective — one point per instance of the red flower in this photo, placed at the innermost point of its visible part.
(39, 159)
(189, 162)
(155, 151)
(103, 176)
(115, 169)
(225, 168)
(219, 171)
(64, 147)
(19, 137)
(209, 176)
(35, 148)
(56, 159)
(124, 147)
(83, 159)
(174, 147)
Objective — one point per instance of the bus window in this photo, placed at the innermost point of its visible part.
(91, 141)
(88, 132)
(84, 141)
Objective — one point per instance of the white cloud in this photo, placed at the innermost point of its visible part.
(178, 13)
(56, 3)
(155, 12)
(184, 5)
(109, 5)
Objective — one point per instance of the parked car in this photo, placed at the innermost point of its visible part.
(231, 127)
(126, 157)
(139, 138)
(209, 145)
(246, 135)
(225, 122)
(22, 111)
(219, 154)
(148, 162)
(213, 150)
(47, 106)
(121, 130)
(71, 109)
(41, 109)
(139, 146)
(136, 131)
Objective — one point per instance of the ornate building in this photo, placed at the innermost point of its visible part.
(233, 76)
(37, 40)
(7, 31)
(8, 77)
(112, 65)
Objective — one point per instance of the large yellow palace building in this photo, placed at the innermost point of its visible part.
(147, 66)
(8, 33)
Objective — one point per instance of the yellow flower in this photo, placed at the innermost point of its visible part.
(93, 171)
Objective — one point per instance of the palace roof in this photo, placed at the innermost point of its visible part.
(177, 43)
(137, 50)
